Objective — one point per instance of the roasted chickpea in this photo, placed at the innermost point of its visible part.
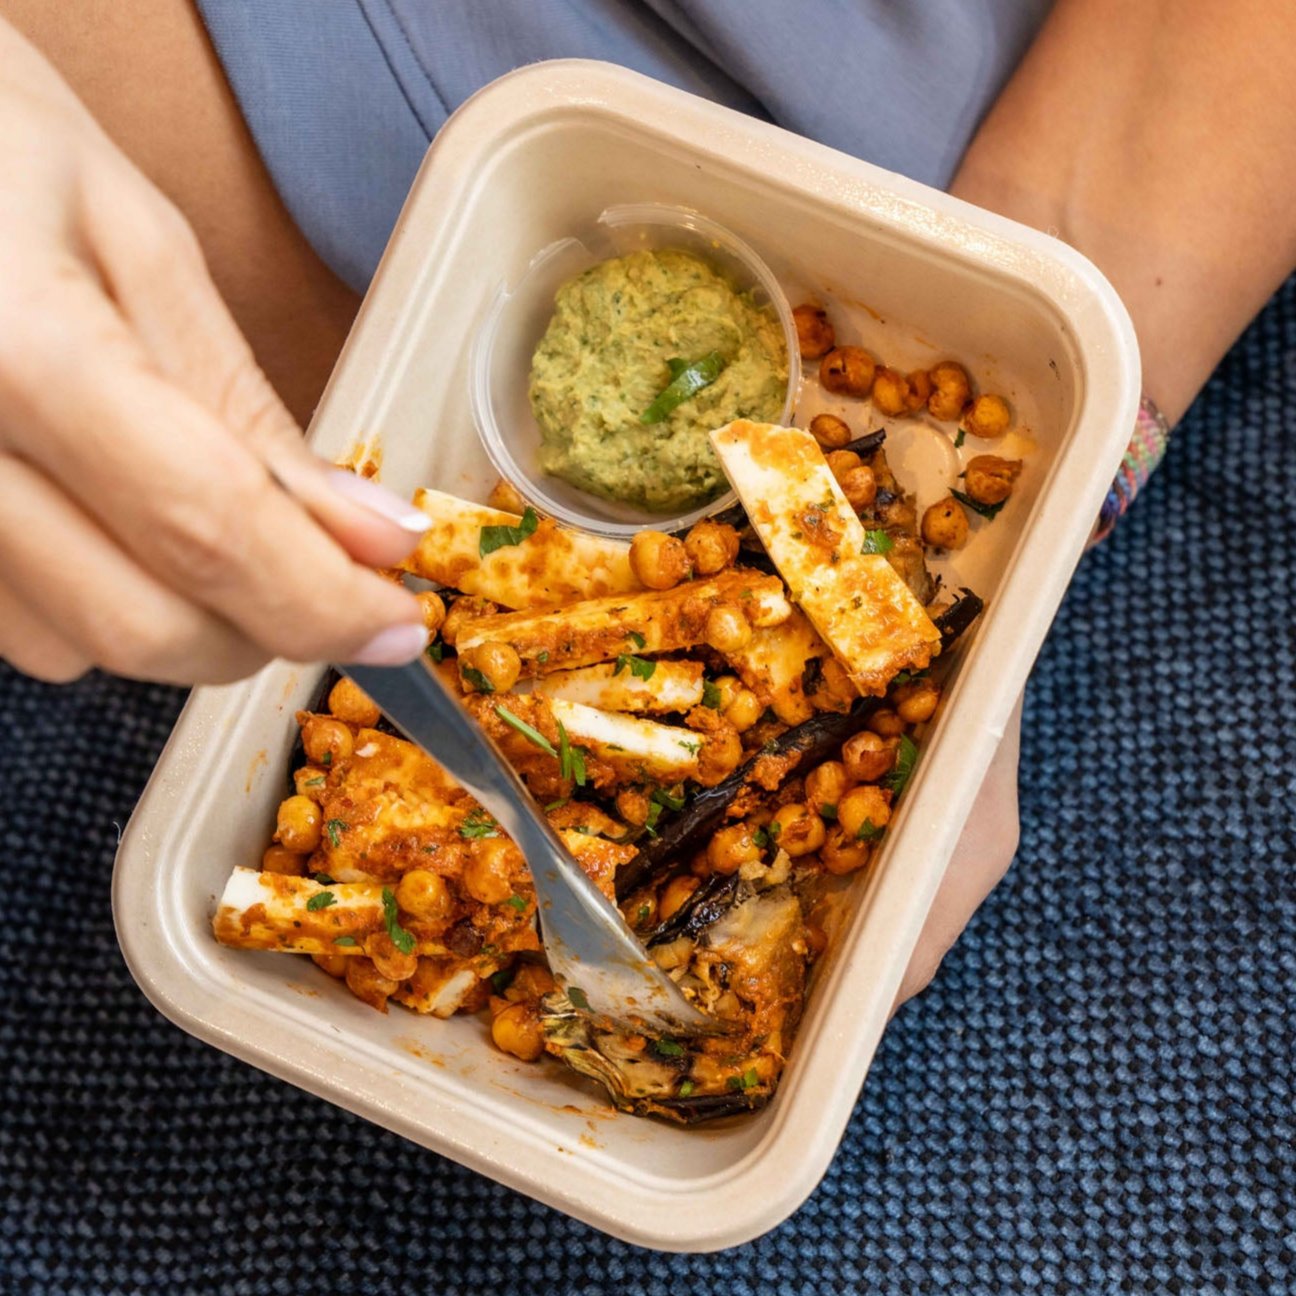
(840, 462)
(279, 859)
(867, 757)
(425, 896)
(951, 391)
(367, 983)
(496, 662)
(744, 710)
(658, 561)
(731, 848)
(673, 895)
(945, 525)
(920, 390)
(326, 741)
(726, 629)
(506, 497)
(633, 806)
(388, 961)
(915, 702)
(989, 417)
(825, 785)
(859, 486)
(434, 611)
(516, 1030)
(815, 333)
(334, 964)
(797, 830)
(721, 754)
(847, 371)
(861, 807)
(310, 782)
(989, 479)
(891, 392)
(463, 610)
(886, 723)
(842, 854)
(711, 546)
(729, 687)
(297, 825)
(351, 704)
(831, 432)
(488, 875)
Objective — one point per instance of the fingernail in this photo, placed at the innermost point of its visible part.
(378, 499)
(393, 646)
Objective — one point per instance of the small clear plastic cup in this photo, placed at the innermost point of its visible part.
(499, 366)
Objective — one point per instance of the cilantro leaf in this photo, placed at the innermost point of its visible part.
(403, 940)
(571, 760)
(436, 651)
(637, 639)
(533, 736)
(668, 1047)
(986, 510)
(869, 831)
(334, 827)
(639, 667)
(686, 382)
(711, 695)
(902, 771)
(663, 796)
(877, 542)
(345, 940)
(321, 900)
(686, 1088)
(518, 902)
(578, 999)
(477, 679)
(500, 537)
(477, 824)
(958, 440)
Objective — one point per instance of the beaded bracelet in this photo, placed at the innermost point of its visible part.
(1146, 449)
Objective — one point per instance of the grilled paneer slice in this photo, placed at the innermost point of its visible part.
(527, 568)
(630, 684)
(862, 608)
(642, 750)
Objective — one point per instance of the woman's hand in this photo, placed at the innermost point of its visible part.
(159, 514)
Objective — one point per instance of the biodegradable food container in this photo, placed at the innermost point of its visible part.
(906, 271)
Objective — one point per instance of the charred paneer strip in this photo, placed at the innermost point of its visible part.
(630, 684)
(857, 602)
(657, 621)
(641, 750)
(528, 561)
(774, 666)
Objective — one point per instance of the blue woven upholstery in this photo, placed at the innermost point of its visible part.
(1096, 1096)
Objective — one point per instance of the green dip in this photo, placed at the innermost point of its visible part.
(603, 361)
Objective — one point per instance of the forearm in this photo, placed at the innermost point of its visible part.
(1159, 139)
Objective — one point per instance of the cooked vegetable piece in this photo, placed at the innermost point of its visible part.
(773, 666)
(657, 752)
(595, 630)
(549, 564)
(856, 601)
(672, 686)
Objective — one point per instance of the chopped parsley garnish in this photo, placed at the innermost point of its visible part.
(345, 940)
(869, 831)
(577, 997)
(403, 940)
(686, 381)
(958, 440)
(333, 828)
(828, 812)
(639, 668)
(774, 829)
(571, 760)
(500, 537)
(686, 1088)
(637, 639)
(501, 980)
(664, 796)
(477, 823)
(644, 912)
(877, 542)
(518, 902)
(654, 813)
(691, 747)
(533, 736)
(542, 657)
(557, 805)
(477, 679)
(328, 759)
(748, 1080)
(986, 510)
(668, 1048)
(906, 757)
(711, 695)
(314, 782)
(436, 651)
(761, 837)
(321, 900)
(322, 878)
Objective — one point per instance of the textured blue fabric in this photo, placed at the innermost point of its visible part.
(343, 95)
(1097, 1097)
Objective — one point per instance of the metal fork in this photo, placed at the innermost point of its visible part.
(593, 955)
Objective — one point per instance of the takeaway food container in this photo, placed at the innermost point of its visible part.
(907, 271)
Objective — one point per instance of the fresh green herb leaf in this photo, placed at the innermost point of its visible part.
(557, 805)
(643, 913)
(500, 537)
(761, 837)
(345, 940)
(477, 824)
(958, 440)
(668, 1048)
(333, 828)
(774, 829)
(877, 542)
(314, 782)
(686, 381)
(686, 1088)
(711, 695)
(328, 759)
(322, 878)
(518, 902)
(637, 639)
(542, 657)
(639, 668)
(664, 796)
(477, 679)
(869, 831)
(321, 900)
(902, 770)
(748, 1080)
(533, 736)
(571, 760)
(986, 510)
(403, 940)
(578, 999)
(901, 678)
(689, 746)
(501, 980)
(436, 651)
(654, 813)
(828, 812)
